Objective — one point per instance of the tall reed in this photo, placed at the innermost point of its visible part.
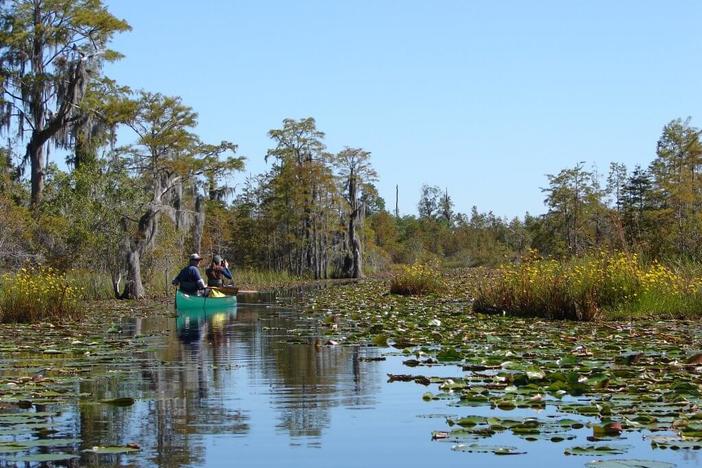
(600, 285)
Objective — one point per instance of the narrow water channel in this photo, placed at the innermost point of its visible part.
(255, 386)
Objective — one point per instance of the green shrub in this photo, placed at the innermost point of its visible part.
(42, 294)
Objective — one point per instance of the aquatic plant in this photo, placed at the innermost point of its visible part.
(587, 288)
(610, 380)
(416, 280)
(39, 294)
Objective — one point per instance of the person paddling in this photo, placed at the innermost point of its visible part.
(189, 280)
(217, 271)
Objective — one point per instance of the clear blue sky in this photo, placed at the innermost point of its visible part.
(480, 97)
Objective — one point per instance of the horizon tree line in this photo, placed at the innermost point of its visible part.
(131, 208)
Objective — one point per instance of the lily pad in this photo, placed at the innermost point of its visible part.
(27, 444)
(449, 354)
(596, 450)
(629, 464)
(674, 443)
(44, 457)
(111, 449)
(119, 401)
(496, 449)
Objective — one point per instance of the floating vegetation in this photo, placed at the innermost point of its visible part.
(124, 401)
(628, 464)
(43, 457)
(42, 369)
(113, 449)
(614, 378)
(596, 450)
(497, 449)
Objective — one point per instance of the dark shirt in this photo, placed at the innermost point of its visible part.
(188, 279)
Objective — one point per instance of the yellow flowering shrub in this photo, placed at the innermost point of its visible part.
(417, 279)
(39, 294)
(587, 288)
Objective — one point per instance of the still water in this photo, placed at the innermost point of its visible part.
(254, 386)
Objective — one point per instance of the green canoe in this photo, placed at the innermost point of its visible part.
(187, 302)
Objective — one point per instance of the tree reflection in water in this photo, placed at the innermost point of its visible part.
(211, 376)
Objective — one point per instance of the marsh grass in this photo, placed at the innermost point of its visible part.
(602, 285)
(247, 278)
(95, 286)
(417, 280)
(41, 294)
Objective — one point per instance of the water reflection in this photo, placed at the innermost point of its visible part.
(225, 373)
(193, 326)
(254, 386)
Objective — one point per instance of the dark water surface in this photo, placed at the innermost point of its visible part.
(254, 387)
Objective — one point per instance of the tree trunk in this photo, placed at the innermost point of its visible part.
(133, 287)
(354, 243)
(116, 280)
(141, 241)
(35, 147)
(199, 226)
(36, 161)
(397, 201)
(355, 246)
(357, 260)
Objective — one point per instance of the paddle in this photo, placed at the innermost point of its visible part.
(232, 290)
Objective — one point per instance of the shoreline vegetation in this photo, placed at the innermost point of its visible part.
(598, 287)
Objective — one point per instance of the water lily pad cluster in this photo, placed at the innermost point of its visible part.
(42, 372)
(620, 377)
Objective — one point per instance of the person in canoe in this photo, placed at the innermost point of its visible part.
(189, 280)
(217, 272)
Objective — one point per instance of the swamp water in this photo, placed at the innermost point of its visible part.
(255, 386)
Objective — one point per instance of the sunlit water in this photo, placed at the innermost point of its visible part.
(254, 387)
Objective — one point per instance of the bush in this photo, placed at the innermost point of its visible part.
(591, 287)
(417, 280)
(42, 294)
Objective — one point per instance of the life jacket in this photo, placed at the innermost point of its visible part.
(215, 277)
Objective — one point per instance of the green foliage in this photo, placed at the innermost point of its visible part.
(50, 51)
(15, 234)
(575, 202)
